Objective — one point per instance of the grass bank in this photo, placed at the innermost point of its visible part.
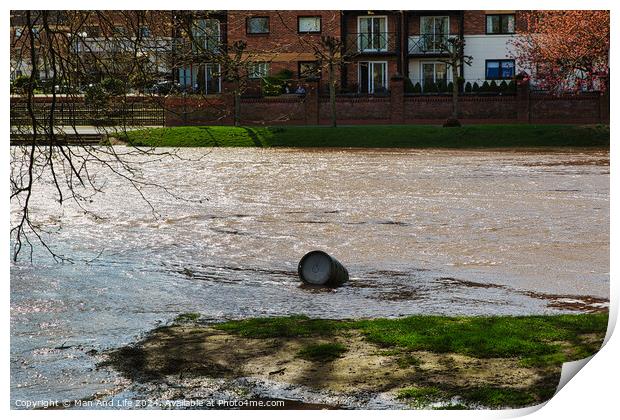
(392, 136)
(423, 361)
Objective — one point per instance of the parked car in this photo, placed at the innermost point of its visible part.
(165, 87)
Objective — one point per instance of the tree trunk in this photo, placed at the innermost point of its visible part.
(332, 93)
(237, 103)
(455, 92)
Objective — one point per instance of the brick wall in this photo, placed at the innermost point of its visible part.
(399, 108)
(474, 21)
(487, 109)
(585, 108)
(283, 43)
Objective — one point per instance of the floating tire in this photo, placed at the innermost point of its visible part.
(317, 268)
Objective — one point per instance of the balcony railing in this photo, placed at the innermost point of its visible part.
(121, 44)
(429, 44)
(371, 43)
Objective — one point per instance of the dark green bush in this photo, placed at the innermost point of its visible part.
(284, 74)
(113, 86)
(493, 86)
(95, 95)
(485, 87)
(512, 86)
(430, 87)
(409, 88)
(468, 87)
(272, 86)
(22, 84)
(417, 88)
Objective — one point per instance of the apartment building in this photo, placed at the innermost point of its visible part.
(377, 45)
(412, 43)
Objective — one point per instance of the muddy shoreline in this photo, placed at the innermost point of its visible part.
(193, 361)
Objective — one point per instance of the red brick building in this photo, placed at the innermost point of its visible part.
(377, 45)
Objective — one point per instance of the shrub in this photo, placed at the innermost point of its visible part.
(284, 74)
(430, 87)
(512, 86)
(113, 86)
(272, 86)
(441, 86)
(503, 87)
(475, 88)
(22, 83)
(493, 86)
(95, 95)
(409, 88)
(450, 87)
(468, 87)
(485, 87)
(452, 122)
(417, 88)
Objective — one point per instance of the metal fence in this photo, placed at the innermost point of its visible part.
(81, 114)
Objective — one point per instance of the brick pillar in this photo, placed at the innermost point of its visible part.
(397, 99)
(312, 102)
(603, 107)
(523, 101)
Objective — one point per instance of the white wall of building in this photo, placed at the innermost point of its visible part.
(486, 47)
(480, 48)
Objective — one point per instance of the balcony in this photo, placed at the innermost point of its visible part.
(121, 45)
(371, 43)
(428, 45)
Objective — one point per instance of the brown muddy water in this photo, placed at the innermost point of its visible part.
(431, 232)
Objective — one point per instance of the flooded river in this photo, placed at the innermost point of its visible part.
(430, 232)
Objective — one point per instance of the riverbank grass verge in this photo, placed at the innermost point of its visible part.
(370, 136)
(422, 361)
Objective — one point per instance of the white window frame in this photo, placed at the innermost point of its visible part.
(258, 70)
(434, 62)
(219, 79)
(359, 32)
(299, 19)
(371, 79)
(434, 34)
(200, 31)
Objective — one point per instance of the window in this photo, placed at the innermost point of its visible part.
(372, 34)
(500, 69)
(212, 80)
(434, 31)
(206, 34)
(258, 70)
(309, 69)
(309, 24)
(258, 25)
(187, 77)
(433, 73)
(373, 77)
(500, 24)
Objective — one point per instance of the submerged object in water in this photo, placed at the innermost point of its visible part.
(318, 268)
